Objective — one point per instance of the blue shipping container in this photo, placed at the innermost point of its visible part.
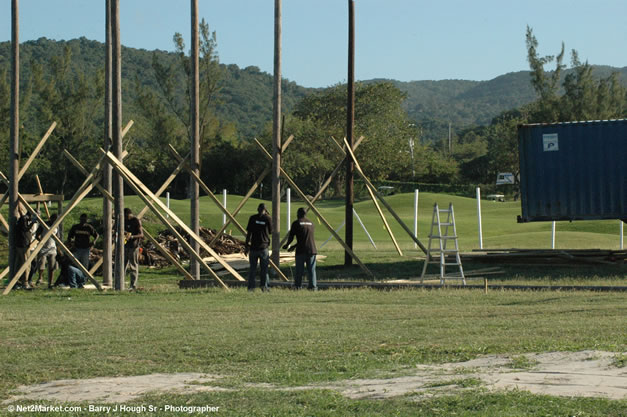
(573, 171)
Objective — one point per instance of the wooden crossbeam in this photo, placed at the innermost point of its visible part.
(153, 202)
(390, 209)
(315, 210)
(107, 195)
(233, 220)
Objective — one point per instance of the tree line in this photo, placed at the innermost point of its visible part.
(236, 106)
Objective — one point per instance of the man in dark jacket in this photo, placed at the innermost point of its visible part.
(133, 235)
(258, 234)
(23, 238)
(303, 230)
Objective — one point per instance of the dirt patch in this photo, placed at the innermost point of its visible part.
(576, 374)
(114, 389)
(586, 374)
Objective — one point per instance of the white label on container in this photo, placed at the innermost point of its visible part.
(549, 142)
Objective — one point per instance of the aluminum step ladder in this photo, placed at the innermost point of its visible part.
(438, 254)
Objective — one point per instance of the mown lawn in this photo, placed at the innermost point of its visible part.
(292, 339)
(296, 338)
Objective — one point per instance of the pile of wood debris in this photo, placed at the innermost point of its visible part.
(225, 245)
(150, 255)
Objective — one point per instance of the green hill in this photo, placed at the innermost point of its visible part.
(246, 93)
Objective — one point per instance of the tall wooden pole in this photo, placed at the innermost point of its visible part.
(350, 123)
(107, 221)
(195, 139)
(276, 138)
(116, 123)
(14, 167)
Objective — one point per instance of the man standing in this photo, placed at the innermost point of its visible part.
(133, 235)
(258, 234)
(303, 230)
(47, 255)
(23, 239)
(81, 234)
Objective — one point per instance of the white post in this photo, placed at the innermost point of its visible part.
(167, 202)
(479, 217)
(416, 192)
(553, 235)
(224, 204)
(289, 208)
(622, 225)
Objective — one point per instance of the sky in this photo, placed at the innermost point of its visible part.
(405, 40)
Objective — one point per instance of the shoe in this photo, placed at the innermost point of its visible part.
(265, 289)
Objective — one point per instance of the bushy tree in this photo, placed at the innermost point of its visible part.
(379, 117)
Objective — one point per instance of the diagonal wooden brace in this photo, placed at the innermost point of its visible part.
(153, 202)
(107, 195)
(390, 209)
(315, 210)
(202, 185)
(326, 184)
(249, 194)
(374, 200)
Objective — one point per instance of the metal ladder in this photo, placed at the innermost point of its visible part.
(443, 237)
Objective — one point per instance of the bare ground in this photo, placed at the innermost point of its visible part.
(585, 374)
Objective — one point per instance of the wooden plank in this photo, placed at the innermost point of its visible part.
(36, 151)
(315, 210)
(41, 191)
(42, 198)
(149, 198)
(390, 209)
(232, 219)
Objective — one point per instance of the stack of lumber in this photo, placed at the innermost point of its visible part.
(575, 257)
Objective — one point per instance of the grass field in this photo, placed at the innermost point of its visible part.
(264, 348)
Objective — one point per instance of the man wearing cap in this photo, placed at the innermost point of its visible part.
(303, 230)
(258, 234)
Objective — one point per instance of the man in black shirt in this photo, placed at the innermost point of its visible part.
(258, 234)
(303, 230)
(81, 233)
(133, 235)
(23, 238)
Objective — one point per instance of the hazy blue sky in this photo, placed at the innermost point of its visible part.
(400, 39)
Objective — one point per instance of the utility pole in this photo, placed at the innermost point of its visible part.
(116, 126)
(276, 138)
(350, 124)
(195, 142)
(107, 221)
(14, 167)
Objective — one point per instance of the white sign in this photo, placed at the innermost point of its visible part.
(505, 178)
(549, 142)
